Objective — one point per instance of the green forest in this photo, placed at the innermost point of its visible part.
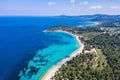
(103, 64)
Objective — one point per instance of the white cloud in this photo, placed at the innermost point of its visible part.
(84, 3)
(51, 3)
(72, 1)
(96, 7)
(115, 7)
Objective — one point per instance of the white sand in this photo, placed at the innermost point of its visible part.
(51, 72)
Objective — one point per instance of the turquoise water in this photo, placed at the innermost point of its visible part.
(50, 56)
(27, 52)
(88, 24)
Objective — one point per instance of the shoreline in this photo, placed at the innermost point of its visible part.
(93, 24)
(51, 72)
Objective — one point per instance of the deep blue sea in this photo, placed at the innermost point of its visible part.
(26, 52)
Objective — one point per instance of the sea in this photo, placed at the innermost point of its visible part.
(26, 52)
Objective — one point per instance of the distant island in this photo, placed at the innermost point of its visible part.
(100, 57)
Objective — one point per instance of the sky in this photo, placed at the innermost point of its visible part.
(59, 7)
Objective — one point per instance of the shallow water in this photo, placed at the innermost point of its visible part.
(47, 57)
(24, 48)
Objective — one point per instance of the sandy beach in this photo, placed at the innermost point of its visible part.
(51, 72)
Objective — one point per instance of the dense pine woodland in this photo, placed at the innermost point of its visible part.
(101, 64)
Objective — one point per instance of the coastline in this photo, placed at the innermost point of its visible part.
(51, 72)
(93, 24)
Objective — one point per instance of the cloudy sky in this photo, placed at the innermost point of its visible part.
(59, 7)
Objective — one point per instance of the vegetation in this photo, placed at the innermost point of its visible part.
(108, 20)
(110, 46)
(101, 64)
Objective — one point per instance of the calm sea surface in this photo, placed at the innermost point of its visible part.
(26, 52)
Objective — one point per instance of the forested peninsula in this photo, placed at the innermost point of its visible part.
(100, 59)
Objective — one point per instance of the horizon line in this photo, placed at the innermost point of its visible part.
(59, 15)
